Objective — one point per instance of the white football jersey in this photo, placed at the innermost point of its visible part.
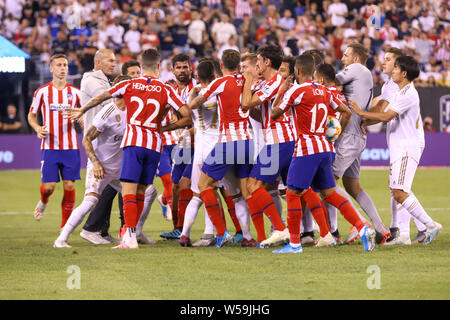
(111, 122)
(206, 116)
(388, 91)
(405, 132)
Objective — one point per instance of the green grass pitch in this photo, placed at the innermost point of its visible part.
(30, 268)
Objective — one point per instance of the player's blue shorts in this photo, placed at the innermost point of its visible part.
(272, 161)
(316, 189)
(183, 158)
(165, 163)
(139, 165)
(55, 161)
(235, 154)
(314, 169)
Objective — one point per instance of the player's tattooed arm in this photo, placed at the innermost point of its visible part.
(91, 134)
(184, 121)
(196, 102)
(76, 113)
(193, 95)
(248, 100)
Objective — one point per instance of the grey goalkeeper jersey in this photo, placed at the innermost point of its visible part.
(357, 84)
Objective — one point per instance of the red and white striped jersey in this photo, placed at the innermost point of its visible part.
(309, 103)
(233, 120)
(169, 137)
(52, 103)
(187, 141)
(145, 98)
(275, 131)
(339, 95)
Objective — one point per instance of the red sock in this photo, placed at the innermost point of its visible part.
(130, 210)
(294, 215)
(213, 210)
(67, 205)
(345, 208)
(264, 202)
(140, 198)
(222, 211)
(232, 211)
(167, 183)
(257, 218)
(315, 205)
(183, 201)
(45, 195)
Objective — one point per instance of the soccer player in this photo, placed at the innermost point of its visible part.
(234, 149)
(313, 155)
(287, 66)
(184, 152)
(275, 156)
(146, 99)
(60, 154)
(400, 217)
(357, 84)
(404, 139)
(104, 163)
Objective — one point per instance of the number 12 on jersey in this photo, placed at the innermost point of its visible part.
(315, 111)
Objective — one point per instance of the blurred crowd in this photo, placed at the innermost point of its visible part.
(207, 27)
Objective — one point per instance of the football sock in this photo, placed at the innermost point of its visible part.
(275, 194)
(314, 203)
(366, 203)
(67, 205)
(130, 210)
(191, 214)
(243, 215)
(44, 194)
(150, 196)
(341, 191)
(77, 216)
(415, 209)
(346, 209)
(232, 212)
(332, 216)
(209, 227)
(264, 202)
(307, 221)
(213, 210)
(183, 201)
(222, 211)
(257, 218)
(140, 199)
(294, 216)
(395, 208)
(167, 184)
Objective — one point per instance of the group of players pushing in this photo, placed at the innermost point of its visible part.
(250, 130)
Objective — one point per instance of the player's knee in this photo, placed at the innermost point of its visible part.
(68, 185)
(252, 185)
(185, 183)
(49, 188)
(399, 195)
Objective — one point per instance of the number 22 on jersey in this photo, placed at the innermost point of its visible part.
(152, 106)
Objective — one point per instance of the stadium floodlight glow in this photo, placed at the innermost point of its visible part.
(12, 64)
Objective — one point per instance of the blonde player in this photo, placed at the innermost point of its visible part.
(404, 140)
(102, 145)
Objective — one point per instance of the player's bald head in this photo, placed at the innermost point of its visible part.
(105, 60)
(102, 54)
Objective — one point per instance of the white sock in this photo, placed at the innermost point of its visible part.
(404, 219)
(307, 220)
(243, 216)
(77, 216)
(149, 198)
(420, 226)
(209, 226)
(366, 203)
(395, 208)
(332, 216)
(344, 193)
(275, 194)
(413, 206)
(191, 214)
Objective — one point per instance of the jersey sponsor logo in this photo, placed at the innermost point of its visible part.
(59, 107)
(148, 87)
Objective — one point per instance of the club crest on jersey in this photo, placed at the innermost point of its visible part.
(118, 117)
(59, 107)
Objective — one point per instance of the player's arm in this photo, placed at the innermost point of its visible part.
(91, 134)
(76, 113)
(197, 102)
(41, 131)
(255, 113)
(192, 96)
(346, 114)
(248, 100)
(379, 116)
(184, 121)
